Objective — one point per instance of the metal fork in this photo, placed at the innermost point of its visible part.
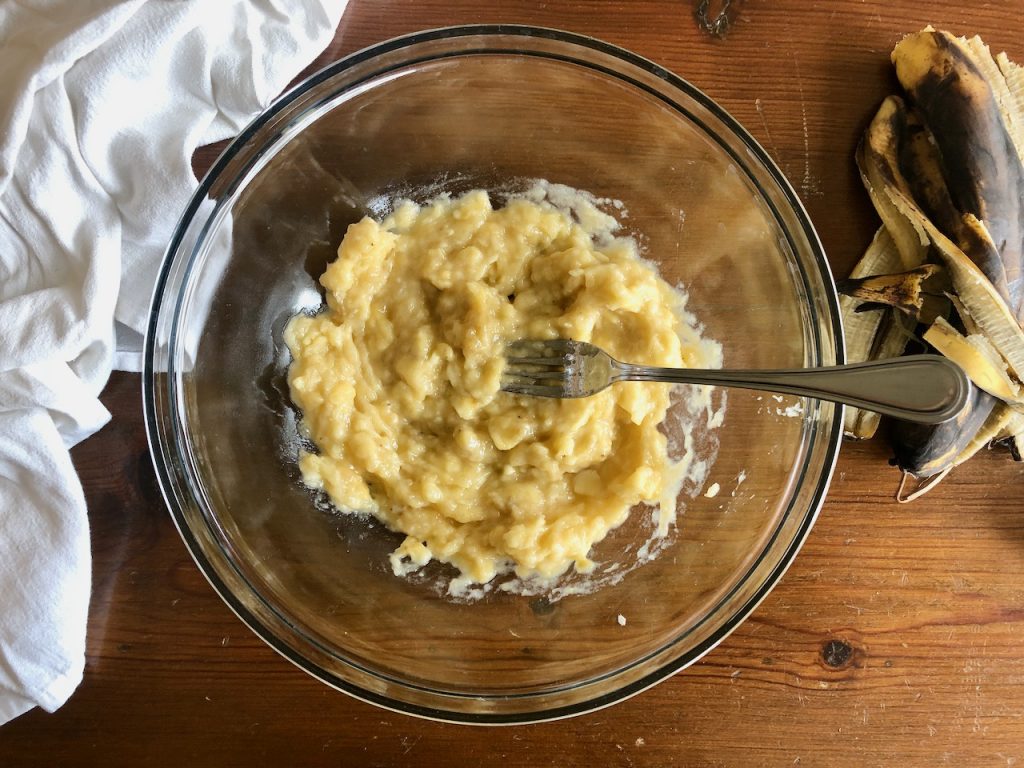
(928, 389)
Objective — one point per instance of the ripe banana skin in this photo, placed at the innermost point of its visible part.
(944, 167)
(905, 291)
(983, 169)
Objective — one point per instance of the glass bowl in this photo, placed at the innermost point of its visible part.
(450, 110)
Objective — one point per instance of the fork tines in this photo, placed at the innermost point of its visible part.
(537, 368)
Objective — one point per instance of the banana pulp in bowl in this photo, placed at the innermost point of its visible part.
(467, 115)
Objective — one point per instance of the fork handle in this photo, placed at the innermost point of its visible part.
(928, 389)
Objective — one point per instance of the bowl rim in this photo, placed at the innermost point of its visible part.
(150, 371)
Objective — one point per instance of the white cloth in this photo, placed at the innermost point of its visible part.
(101, 106)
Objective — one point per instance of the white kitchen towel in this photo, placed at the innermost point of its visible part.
(101, 106)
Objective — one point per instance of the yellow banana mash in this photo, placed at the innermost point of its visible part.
(398, 381)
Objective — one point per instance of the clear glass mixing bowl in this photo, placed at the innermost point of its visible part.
(449, 110)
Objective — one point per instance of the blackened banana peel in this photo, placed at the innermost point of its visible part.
(944, 167)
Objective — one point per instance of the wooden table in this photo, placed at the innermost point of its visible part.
(894, 637)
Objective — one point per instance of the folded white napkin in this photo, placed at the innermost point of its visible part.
(101, 106)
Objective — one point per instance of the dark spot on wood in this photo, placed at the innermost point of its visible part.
(511, 298)
(124, 647)
(767, 660)
(713, 16)
(542, 606)
(888, 663)
(836, 653)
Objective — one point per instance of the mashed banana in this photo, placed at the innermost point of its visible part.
(398, 382)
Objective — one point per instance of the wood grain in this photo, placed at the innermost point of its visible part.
(893, 637)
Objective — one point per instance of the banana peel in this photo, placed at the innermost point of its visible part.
(1012, 435)
(879, 163)
(913, 292)
(886, 167)
(874, 334)
(897, 247)
(944, 167)
(976, 355)
(975, 132)
(934, 450)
